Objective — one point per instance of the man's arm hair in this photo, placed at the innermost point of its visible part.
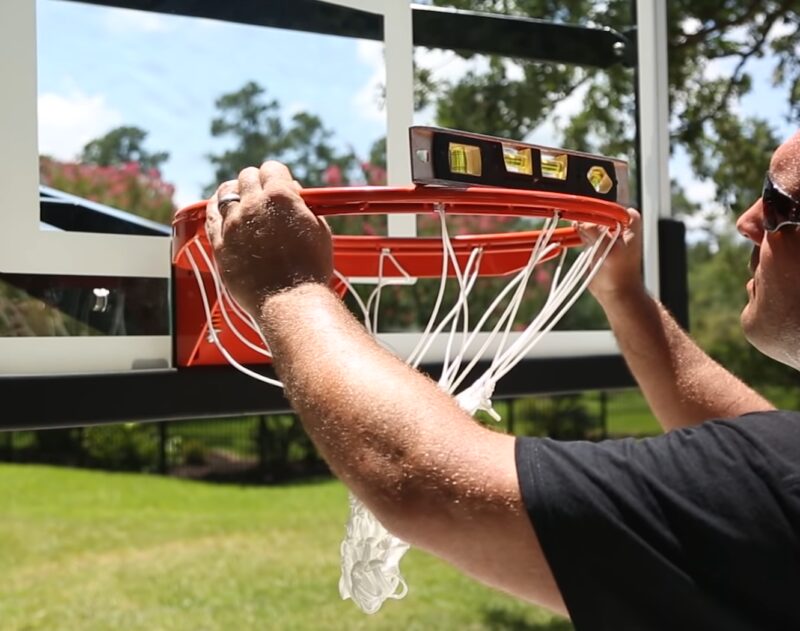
(682, 384)
(427, 470)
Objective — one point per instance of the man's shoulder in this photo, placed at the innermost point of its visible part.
(779, 426)
(765, 416)
(771, 438)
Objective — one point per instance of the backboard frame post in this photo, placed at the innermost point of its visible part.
(653, 99)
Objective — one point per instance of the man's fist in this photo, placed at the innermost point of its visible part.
(269, 240)
(621, 272)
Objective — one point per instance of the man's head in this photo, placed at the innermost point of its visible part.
(771, 318)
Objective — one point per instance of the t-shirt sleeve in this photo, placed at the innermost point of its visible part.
(655, 533)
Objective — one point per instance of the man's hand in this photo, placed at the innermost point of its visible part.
(270, 240)
(621, 272)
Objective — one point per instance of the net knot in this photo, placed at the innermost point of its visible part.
(370, 557)
(478, 396)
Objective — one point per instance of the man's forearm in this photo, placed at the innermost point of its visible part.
(682, 384)
(384, 428)
(431, 474)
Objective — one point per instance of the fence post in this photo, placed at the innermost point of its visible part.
(162, 447)
(81, 448)
(9, 446)
(604, 413)
(262, 445)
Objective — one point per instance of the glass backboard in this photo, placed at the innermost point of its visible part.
(86, 286)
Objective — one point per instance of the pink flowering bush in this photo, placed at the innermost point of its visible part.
(126, 187)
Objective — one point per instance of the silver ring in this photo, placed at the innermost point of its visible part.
(228, 199)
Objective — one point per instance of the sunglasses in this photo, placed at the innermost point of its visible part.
(780, 209)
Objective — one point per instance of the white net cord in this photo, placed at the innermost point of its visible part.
(370, 554)
(370, 561)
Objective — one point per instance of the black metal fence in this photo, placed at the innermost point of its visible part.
(274, 448)
(250, 449)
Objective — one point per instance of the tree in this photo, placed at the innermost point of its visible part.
(255, 125)
(310, 154)
(703, 106)
(116, 170)
(121, 146)
(511, 98)
(259, 132)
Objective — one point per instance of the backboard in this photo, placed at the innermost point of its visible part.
(86, 289)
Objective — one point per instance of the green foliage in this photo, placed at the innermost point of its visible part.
(121, 146)
(564, 417)
(124, 186)
(255, 124)
(56, 445)
(723, 147)
(702, 33)
(711, 45)
(127, 447)
(309, 152)
(377, 155)
(285, 445)
(193, 452)
(508, 103)
(512, 98)
(737, 160)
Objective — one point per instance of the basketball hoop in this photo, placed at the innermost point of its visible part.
(370, 256)
(212, 328)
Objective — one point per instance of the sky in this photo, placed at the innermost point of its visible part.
(100, 68)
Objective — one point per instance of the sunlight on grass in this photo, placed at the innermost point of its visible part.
(85, 551)
(629, 414)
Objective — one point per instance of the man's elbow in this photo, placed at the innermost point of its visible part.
(413, 504)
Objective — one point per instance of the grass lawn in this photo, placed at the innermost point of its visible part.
(628, 414)
(84, 551)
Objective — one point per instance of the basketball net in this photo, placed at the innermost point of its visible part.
(370, 555)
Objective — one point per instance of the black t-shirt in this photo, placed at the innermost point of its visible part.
(695, 529)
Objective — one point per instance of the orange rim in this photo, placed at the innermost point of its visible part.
(501, 253)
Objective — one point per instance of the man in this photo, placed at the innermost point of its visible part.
(695, 529)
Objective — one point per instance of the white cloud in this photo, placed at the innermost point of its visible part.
(367, 100)
(549, 131)
(184, 195)
(719, 69)
(445, 65)
(700, 191)
(782, 28)
(68, 122)
(691, 26)
(450, 67)
(130, 21)
(514, 70)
